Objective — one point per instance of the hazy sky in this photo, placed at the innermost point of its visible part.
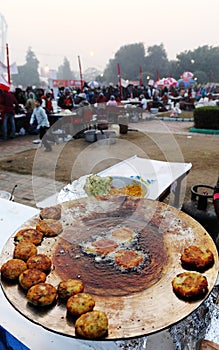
(96, 29)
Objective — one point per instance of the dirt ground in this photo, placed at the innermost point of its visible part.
(72, 159)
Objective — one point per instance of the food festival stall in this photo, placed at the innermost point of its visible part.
(159, 307)
(49, 329)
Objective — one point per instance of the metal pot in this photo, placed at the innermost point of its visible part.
(201, 208)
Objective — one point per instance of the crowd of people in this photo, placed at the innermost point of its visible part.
(38, 103)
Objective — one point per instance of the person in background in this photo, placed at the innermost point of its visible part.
(118, 99)
(101, 98)
(60, 92)
(47, 98)
(82, 100)
(8, 103)
(21, 99)
(52, 94)
(65, 101)
(84, 110)
(87, 92)
(112, 101)
(27, 92)
(143, 102)
(101, 106)
(92, 99)
(30, 104)
(43, 125)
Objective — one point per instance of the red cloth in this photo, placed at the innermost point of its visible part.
(101, 99)
(8, 102)
(48, 104)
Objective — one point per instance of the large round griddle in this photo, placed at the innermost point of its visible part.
(138, 302)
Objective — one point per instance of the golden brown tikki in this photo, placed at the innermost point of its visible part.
(12, 268)
(69, 287)
(29, 234)
(40, 261)
(49, 227)
(30, 277)
(42, 294)
(123, 234)
(53, 212)
(197, 258)
(128, 259)
(80, 303)
(190, 285)
(24, 250)
(92, 325)
(104, 246)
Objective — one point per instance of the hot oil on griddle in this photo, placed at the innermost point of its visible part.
(103, 278)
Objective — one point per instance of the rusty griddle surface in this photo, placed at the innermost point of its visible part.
(137, 303)
(105, 278)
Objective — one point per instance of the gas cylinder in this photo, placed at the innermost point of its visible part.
(201, 208)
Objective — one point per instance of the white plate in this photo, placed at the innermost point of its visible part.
(75, 190)
(121, 181)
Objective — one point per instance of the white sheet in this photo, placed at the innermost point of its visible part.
(158, 175)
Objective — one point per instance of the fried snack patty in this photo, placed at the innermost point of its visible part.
(53, 212)
(80, 303)
(42, 294)
(12, 268)
(49, 227)
(69, 287)
(123, 234)
(92, 325)
(197, 258)
(29, 234)
(128, 259)
(40, 262)
(30, 277)
(104, 246)
(24, 250)
(190, 285)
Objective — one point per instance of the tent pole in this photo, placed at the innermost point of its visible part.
(8, 65)
(140, 80)
(79, 62)
(120, 81)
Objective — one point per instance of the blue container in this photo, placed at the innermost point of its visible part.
(90, 135)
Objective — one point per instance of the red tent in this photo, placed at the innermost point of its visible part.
(4, 84)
